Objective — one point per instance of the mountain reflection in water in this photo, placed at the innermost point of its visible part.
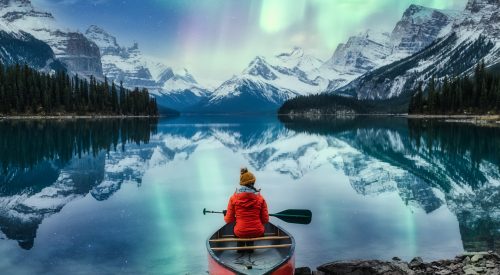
(48, 165)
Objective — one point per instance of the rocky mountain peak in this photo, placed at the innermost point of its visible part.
(134, 47)
(481, 17)
(19, 3)
(414, 9)
(419, 27)
(180, 74)
(102, 38)
(185, 75)
(167, 74)
(476, 6)
(260, 67)
(14, 11)
(296, 52)
(360, 52)
(78, 53)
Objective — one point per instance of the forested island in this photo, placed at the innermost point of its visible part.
(476, 94)
(25, 91)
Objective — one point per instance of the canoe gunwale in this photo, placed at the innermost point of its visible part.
(285, 260)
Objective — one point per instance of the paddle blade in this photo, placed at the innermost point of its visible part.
(298, 216)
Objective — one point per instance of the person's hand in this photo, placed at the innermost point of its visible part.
(224, 212)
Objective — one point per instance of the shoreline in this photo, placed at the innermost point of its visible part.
(480, 120)
(486, 120)
(64, 117)
(468, 263)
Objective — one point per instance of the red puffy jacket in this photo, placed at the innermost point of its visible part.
(249, 211)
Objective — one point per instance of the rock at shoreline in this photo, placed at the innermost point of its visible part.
(470, 264)
(416, 263)
(364, 267)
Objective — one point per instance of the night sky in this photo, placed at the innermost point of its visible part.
(215, 39)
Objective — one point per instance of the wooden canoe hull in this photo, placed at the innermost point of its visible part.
(279, 261)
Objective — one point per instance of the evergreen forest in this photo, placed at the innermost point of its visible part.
(26, 91)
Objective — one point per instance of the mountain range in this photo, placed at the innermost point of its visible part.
(19, 18)
(174, 88)
(473, 37)
(374, 65)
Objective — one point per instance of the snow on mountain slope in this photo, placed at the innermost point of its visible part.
(472, 38)
(361, 53)
(266, 83)
(418, 28)
(78, 53)
(23, 48)
(121, 64)
(358, 55)
(174, 89)
(297, 59)
(179, 90)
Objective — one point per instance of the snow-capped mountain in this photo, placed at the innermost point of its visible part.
(358, 55)
(79, 54)
(18, 47)
(266, 83)
(473, 37)
(119, 63)
(174, 89)
(418, 28)
(179, 90)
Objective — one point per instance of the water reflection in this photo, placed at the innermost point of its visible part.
(350, 172)
(429, 163)
(47, 164)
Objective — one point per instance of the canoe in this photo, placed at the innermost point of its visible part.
(272, 254)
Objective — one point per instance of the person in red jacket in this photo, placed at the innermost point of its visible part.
(247, 208)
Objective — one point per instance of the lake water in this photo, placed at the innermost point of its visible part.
(126, 196)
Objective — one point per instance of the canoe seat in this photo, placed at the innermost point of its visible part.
(265, 235)
(223, 240)
(251, 247)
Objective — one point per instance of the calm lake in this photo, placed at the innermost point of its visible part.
(126, 196)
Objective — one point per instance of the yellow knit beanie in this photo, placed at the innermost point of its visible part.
(246, 178)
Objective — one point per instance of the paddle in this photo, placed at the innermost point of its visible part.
(298, 216)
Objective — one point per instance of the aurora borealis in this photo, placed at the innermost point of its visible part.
(215, 39)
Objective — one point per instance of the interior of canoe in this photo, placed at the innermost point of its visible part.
(266, 253)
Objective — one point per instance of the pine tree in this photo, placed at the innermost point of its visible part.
(498, 96)
(446, 103)
(122, 98)
(419, 100)
(114, 98)
(411, 106)
(432, 97)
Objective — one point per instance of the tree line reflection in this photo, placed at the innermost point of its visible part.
(24, 143)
